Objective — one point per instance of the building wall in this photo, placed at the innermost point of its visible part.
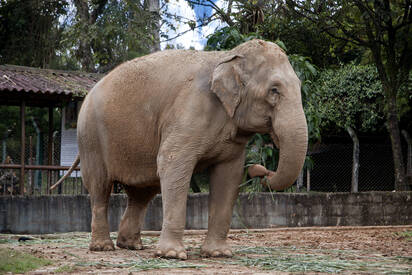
(69, 148)
(50, 214)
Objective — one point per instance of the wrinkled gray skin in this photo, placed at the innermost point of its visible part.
(153, 121)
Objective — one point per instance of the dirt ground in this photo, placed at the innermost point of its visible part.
(345, 250)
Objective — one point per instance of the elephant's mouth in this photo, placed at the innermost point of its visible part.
(275, 139)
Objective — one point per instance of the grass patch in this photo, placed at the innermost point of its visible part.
(144, 264)
(407, 234)
(18, 262)
(65, 269)
(292, 260)
(64, 240)
(149, 240)
(158, 263)
(8, 241)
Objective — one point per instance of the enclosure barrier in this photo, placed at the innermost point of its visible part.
(37, 180)
(63, 213)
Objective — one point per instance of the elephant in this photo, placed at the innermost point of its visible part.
(153, 121)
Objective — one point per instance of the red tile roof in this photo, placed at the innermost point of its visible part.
(34, 80)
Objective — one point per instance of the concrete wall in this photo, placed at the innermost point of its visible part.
(48, 214)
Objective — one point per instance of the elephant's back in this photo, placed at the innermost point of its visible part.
(153, 81)
(124, 111)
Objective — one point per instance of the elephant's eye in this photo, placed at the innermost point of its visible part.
(274, 90)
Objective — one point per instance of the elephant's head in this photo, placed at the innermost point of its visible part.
(261, 93)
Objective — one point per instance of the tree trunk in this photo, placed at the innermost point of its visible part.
(408, 139)
(355, 160)
(87, 14)
(153, 6)
(194, 186)
(299, 182)
(393, 129)
(85, 54)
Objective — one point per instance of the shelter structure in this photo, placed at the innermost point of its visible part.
(26, 86)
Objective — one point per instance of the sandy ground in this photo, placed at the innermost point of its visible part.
(345, 250)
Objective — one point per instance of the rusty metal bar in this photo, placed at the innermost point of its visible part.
(49, 148)
(22, 144)
(30, 177)
(37, 167)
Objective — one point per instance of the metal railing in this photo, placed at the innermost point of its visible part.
(37, 180)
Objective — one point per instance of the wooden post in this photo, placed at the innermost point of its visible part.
(355, 164)
(30, 177)
(22, 144)
(50, 148)
(308, 180)
(299, 183)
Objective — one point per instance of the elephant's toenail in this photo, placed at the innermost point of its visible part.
(228, 253)
(171, 254)
(182, 256)
(158, 253)
(215, 253)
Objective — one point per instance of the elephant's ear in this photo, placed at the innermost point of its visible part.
(227, 82)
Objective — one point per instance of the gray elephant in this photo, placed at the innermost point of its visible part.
(154, 121)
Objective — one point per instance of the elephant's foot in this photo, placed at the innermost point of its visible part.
(133, 242)
(216, 249)
(101, 245)
(171, 249)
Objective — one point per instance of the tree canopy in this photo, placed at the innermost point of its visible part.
(358, 51)
(351, 96)
(383, 28)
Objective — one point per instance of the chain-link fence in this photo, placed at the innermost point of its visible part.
(332, 168)
(36, 181)
(331, 171)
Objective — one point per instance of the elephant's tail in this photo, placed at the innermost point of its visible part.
(74, 165)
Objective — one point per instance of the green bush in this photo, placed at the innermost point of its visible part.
(348, 96)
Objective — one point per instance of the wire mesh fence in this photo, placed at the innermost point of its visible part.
(36, 181)
(332, 168)
(331, 171)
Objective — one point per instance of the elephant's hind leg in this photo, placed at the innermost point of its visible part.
(99, 199)
(133, 218)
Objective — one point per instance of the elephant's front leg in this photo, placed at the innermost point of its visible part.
(175, 171)
(225, 179)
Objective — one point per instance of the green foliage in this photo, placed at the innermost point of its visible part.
(407, 235)
(120, 32)
(304, 38)
(18, 262)
(307, 73)
(65, 269)
(293, 260)
(349, 96)
(30, 32)
(10, 128)
(259, 150)
(227, 38)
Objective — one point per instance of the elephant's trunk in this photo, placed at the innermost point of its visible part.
(291, 136)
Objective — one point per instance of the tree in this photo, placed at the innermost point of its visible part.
(105, 33)
(272, 20)
(303, 37)
(87, 13)
(382, 27)
(30, 32)
(350, 98)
